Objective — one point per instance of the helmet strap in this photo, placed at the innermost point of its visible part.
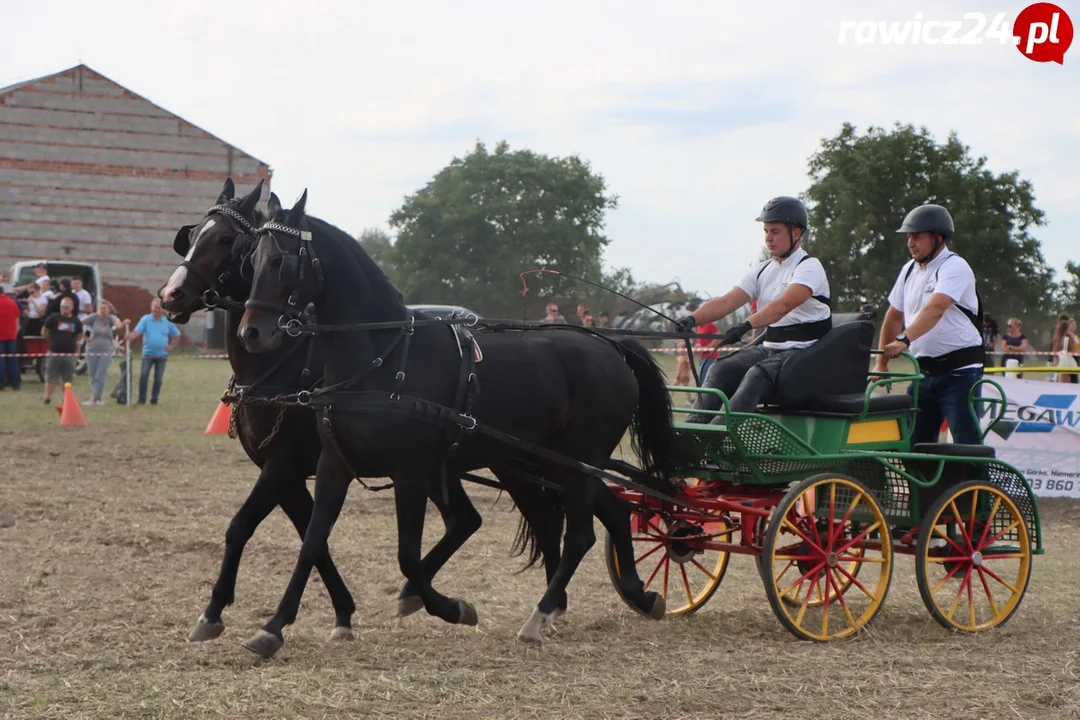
(794, 242)
(939, 243)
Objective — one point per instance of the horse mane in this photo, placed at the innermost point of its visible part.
(353, 247)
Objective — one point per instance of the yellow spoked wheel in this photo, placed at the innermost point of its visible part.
(820, 537)
(672, 559)
(973, 557)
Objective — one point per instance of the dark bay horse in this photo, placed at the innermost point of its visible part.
(566, 391)
(286, 449)
(285, 445)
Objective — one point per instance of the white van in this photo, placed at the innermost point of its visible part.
(22, 273)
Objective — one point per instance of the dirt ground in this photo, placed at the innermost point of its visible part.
(111, 536)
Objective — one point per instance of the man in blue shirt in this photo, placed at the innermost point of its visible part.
(159, 337)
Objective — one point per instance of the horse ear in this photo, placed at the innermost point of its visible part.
(227, 192)
(182, 243)
(247, 205)
(296, 214)
(273, 206)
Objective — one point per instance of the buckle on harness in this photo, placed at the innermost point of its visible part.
(303, 397)
(292, 327)
(466, 416)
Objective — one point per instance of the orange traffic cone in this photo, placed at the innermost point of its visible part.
(219, 424)
(70, 412)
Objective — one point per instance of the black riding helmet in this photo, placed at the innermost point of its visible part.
(932, 219)
(928, 218)
(788, 210)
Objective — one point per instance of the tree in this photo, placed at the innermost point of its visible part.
(1069, 298)
(467, 235)
(377, 243)
(863, 186)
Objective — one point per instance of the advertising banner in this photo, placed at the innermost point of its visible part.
(1039, 434)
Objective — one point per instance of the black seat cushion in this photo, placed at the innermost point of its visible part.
(852, 403)
(837, 364)
(955, 450)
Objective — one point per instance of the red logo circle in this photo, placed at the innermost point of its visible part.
(1043, 32)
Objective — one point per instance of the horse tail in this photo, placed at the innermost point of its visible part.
(532, 501)
(651, 433)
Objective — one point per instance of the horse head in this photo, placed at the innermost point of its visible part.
(216, 254)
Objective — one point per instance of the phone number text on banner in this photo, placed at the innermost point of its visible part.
(1040, 434)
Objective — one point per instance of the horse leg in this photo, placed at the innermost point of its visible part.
(331, 487)
(541, 510)
(298, 504)
(578, 498)
(264, 496)
(461, 521)
(410, 497)
(614, 513)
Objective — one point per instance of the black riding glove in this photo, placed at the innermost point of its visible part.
(686, 324)
(733, 334)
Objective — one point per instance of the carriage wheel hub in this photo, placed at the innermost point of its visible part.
(976, 558)
(832, 560)
(678, 549)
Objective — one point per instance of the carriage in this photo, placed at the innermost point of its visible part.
(824, 488)
(36, 348)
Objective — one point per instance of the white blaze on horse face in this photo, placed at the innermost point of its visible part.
(179, 275)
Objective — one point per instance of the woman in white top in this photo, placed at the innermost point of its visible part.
(1065, 344)
(36, 303)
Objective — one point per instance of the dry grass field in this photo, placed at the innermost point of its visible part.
(111, 536)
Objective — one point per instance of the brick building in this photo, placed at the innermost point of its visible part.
(92, 172)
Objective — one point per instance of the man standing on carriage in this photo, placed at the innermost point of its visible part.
(935, 299)
(792, 293)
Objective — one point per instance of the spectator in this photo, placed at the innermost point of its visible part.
(605, 320)
(37, 306)
(1064, 344)
(158, 335)
(62, 331)
(9, 338)
(990, 334)
(582, 311)
(1013, 343)
(99, 348)
(587, 320)
(553, 317)
(42, 280)
(63, 292)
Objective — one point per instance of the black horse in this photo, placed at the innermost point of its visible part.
(384, 411)
(285, 448)
(284, 442)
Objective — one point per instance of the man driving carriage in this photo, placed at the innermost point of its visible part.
(936, 300)
(793, 296)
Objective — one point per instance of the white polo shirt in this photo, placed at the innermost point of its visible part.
(766, 282)
(84, 299)
(949, 274)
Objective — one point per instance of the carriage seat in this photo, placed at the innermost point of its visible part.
(830, 375)
(955, 450)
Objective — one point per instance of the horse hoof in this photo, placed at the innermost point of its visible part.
(206, 630)
(341, 634)
(529, 639)
(659, 607)
(263, 644)
(408, 605)
(467, 614)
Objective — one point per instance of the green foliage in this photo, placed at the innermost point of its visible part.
(1069, 289)
(862, 186)
(377, 243)
(467, 235)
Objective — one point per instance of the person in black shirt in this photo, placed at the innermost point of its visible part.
(65, 291)
(62, 330)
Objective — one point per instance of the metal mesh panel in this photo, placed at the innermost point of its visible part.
(1013, 486)
(889, 488)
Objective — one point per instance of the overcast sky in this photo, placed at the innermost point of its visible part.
(695, 112)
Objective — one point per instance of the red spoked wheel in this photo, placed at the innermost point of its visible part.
(675, 558)
(973, 557)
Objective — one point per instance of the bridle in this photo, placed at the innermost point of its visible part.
(291, 274)
(211, 297)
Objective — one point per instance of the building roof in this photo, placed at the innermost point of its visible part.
(70, 72)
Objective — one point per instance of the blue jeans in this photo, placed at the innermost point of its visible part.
(9, 366)
(158, 363)
(945, 397)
